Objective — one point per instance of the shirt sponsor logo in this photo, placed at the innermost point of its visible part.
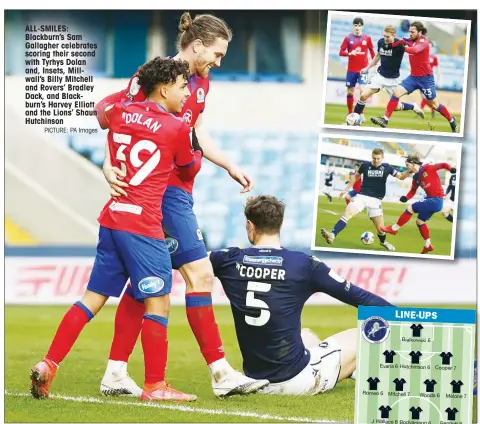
(386, 52)
(151, 285)
(263, 260)
(376, 173)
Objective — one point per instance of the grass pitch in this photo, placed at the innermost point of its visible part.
(336, 114)
(408, 239)
(28, 332)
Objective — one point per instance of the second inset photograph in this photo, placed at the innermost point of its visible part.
(386, 197)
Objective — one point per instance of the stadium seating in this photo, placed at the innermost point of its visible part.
(279, 167)
(451, 67)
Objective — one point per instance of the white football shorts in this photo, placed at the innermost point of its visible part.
(319, 376)
(373, 205)
(378, 83)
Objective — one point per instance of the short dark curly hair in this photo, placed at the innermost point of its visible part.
(266, 213)
(161, 71)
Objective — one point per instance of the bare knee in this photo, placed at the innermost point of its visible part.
(93, 301)
(159, 305)
(420, 222)
(198, 275)
(409, 208)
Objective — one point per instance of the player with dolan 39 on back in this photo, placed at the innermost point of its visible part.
(267, 286)
(427, 178)
(356, 46)
(202, 42)
(145, 139)
(388, 73)
(375, 174)
(420, 78)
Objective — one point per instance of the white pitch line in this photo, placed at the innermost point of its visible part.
(179, 408)
(329, 211)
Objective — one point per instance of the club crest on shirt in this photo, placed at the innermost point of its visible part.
(187, 116)
(200, 95)
(172, 244)
(375, 330)
(364, 43)
(424, 175)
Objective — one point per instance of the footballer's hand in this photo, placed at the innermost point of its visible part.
(341, 195)
(399, 42)
(114, 177)
(240, 177)
(453, 170)
(364, 70)
(352, 53)
(403, 199)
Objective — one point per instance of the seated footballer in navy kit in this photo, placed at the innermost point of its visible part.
(267, 286)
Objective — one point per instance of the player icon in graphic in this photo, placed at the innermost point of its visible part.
(451, 413)
(416, 330)
(415, 356)
(399, 382)
(456, 386)
(375, 330)
(430, 385)
(446, 357)
(415, 412)
(385, 411)
(373, 382)
(389, 356)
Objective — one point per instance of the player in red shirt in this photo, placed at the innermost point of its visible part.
(357, 185)
(420, 78)
(434, 63)
(356, 46)
(427, 178)
(203, 43)
(145, 140)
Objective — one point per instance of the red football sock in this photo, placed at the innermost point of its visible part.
(68, 331)
(424, 231)
(444, 112)
(424, 103)
(404, 218)
(392, 105)
(155, 347)
(201, 318)
(348, 201)
(128, 323)
(350, 103)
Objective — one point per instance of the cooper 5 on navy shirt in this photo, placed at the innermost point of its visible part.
(267, 288)
(375, 179)
(390, 59)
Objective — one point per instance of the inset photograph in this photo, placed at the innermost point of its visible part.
(394, 197)
(395, 73)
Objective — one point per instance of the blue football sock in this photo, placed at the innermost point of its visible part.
(339, 226)
(407, 106)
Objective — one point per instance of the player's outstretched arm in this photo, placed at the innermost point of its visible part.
(327, 281)
(215, 155)
(373, 63)
(350, 184)
(402, 175)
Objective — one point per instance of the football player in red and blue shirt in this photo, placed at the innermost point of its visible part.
(426, 177)
(203, 49)
(357, 185)
(420, 78)
(356, 46)
(434, 63)
(145, 140)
